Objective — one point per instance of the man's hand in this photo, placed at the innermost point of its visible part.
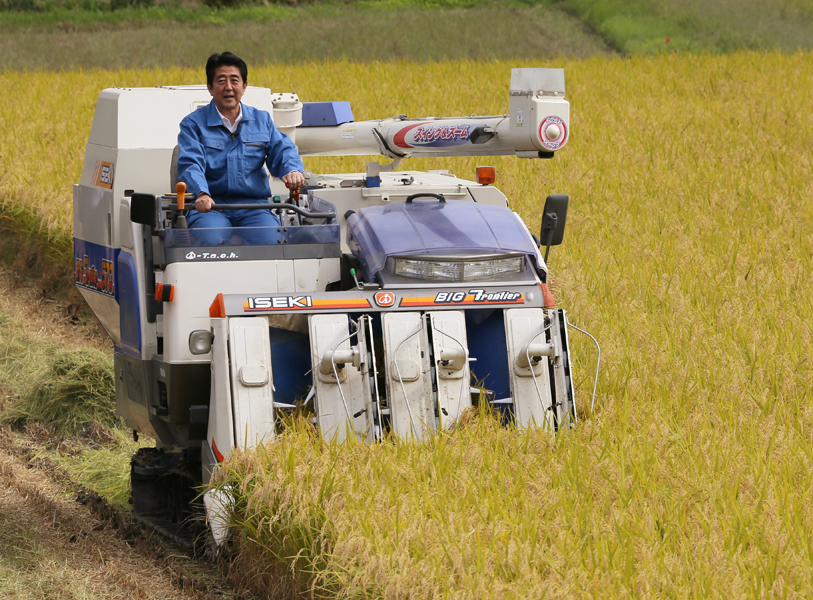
(204, 203)
(293, 180)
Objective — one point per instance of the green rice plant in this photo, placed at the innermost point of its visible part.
(105, 468)
(69, 392)
(75, 391)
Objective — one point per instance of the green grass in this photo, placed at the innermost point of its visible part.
(105, 468)
(49, 13)
(361, 30)
(661, 26)
(72, 391)
(183, 37)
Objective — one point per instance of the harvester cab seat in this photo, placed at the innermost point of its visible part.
(173, 167)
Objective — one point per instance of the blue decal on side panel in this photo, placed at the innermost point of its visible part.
(127, 351)
(94, 267)
(127, 293)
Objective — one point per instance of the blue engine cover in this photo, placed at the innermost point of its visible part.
(427, 227)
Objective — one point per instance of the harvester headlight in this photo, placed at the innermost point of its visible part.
(200, 342)
(446, 270)
(491, 269)
(428, 269)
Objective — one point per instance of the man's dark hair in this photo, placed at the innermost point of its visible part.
(227, 59)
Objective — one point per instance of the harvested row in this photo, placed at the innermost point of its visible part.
(54, 547)
(688, 255)
(66, 529)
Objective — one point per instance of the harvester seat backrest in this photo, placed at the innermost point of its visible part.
(173, 168)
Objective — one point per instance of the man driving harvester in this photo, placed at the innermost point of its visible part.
(222, 149)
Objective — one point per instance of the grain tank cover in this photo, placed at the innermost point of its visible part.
(428, 228)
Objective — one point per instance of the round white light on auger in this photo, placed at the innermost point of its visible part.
(552, 132)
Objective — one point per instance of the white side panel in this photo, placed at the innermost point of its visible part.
(488, 194)
(196, 285)
(127, 229)
(450, 351)
(104, 130)
(409, 386)
(306, 275)
(144, 170)
(329, 270)
(95, 155)
(530, 386)
(251, 377)
(93, 214)
(338, 400)
(220, 434)
(285, 275)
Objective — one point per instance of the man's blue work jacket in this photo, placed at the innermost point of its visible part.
(229, 167)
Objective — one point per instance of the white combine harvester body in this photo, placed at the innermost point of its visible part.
(385, 296)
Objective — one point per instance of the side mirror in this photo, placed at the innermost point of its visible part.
(554, 216)
(144, 210)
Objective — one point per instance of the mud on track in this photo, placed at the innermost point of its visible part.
(59, 539)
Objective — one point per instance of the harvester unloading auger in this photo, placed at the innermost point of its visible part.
(382, 296)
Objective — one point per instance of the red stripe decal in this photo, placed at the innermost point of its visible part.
(398, 138)
(468, 301)
(218, 455)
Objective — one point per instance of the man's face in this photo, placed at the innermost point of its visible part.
(227, 88)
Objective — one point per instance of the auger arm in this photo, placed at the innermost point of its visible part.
(536, 126)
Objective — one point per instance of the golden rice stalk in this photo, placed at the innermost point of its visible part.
(688, 254)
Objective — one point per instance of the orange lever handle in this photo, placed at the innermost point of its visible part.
(180, 190)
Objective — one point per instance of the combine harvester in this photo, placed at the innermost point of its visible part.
(379, 299)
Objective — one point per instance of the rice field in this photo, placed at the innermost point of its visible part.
(688, 254)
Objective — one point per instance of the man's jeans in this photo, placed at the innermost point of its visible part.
(217, 222)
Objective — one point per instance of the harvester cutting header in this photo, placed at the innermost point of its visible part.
(379, 301)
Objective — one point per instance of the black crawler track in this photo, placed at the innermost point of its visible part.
(166, 497)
